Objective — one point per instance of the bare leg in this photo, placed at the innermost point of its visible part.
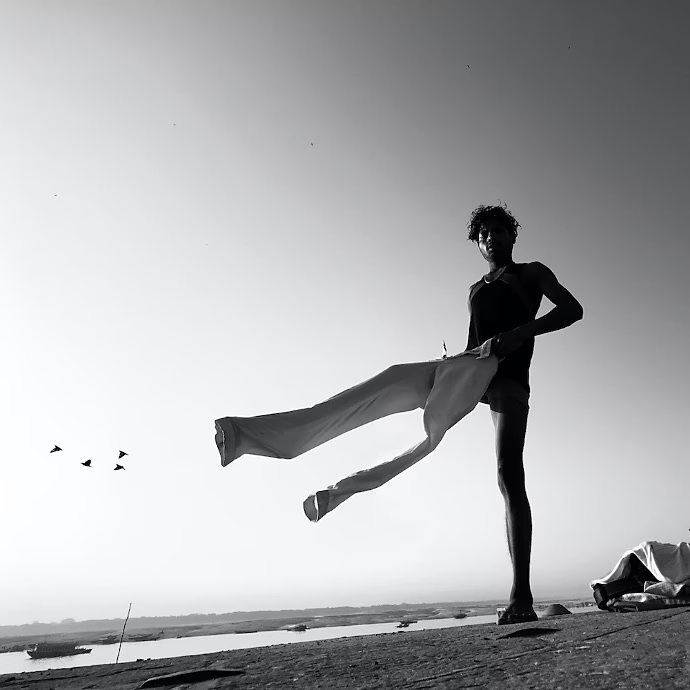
(510, 422)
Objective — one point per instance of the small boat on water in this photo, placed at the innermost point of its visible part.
(144, 637)
(47, 650)
(300, 627)
(108, 639)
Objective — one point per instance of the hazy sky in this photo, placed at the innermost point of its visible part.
(175, 249)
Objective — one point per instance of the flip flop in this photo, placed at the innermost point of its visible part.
(512, 618)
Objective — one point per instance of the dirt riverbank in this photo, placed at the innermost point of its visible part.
(598, 650)
(112, 635)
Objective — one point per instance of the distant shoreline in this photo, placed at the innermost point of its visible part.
(139, 631)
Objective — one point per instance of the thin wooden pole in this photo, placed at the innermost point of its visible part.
(123, 632)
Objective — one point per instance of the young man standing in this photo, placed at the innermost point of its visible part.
(504, 305)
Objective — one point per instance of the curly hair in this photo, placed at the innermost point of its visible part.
(483, 213)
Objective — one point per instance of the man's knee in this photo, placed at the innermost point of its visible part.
(511, 475)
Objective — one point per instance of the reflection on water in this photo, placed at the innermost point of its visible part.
(18, 662)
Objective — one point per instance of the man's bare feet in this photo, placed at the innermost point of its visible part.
(516, 612)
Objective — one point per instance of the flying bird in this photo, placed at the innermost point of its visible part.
(56, 449)
(119, 467)
(122, 454)
(87, 463)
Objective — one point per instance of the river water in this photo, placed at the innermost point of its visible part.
(19, 662)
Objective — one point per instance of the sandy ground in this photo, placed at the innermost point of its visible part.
(597, 650)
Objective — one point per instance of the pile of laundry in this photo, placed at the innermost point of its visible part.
(653, 575)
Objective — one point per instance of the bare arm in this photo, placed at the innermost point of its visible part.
(567, 309)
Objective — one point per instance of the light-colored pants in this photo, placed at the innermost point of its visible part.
(447, 390)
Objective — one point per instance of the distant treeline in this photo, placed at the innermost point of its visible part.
(160, 622)
(110, 625)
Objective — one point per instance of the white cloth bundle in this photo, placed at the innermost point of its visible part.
(667, 562)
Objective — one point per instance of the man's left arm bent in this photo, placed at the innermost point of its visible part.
(567, 309)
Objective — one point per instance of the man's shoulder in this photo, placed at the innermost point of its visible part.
(533, 266)
(531, 272)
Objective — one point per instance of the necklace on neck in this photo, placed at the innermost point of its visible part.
(496, 275)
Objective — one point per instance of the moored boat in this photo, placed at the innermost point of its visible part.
(405, 622)
(47, 650)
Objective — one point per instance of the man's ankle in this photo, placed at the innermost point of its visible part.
(522, 594)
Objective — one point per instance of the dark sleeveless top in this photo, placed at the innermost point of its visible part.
(500, 306)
